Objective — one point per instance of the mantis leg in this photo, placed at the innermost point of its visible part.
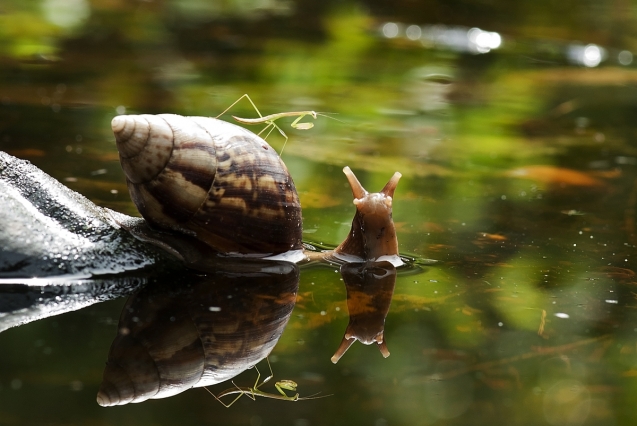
(267, 379)
(285, 136)
(233, 401)
(274, 125)
(269, 123)
(288, 385)
(301, 126)
(245, 95)
(256, 384)
(296, 125)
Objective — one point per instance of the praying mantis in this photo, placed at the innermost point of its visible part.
(269, 120)
(253, 392)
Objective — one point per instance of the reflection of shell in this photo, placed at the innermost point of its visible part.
(211, 179)
(370, 288)
(206, 331)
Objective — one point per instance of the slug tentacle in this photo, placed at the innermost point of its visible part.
(390, 187)
(357, 189)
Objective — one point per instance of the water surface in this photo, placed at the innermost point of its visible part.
(519, 171)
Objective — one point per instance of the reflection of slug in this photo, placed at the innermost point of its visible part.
(369, 292)
(202, 331)
(226, 187)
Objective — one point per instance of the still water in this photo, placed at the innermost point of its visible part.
(513, 127)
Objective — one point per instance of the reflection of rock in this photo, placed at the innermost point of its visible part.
(370, 288)
(198, 331)
(31, 299)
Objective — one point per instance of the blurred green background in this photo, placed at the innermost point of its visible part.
(513, 124)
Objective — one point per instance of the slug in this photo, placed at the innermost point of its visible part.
(372, 237)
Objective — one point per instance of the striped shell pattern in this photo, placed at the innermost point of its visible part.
(210, 179)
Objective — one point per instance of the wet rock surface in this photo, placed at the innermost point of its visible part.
(46, 229)
(59, 252)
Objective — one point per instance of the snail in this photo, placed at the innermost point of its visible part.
(230, 191)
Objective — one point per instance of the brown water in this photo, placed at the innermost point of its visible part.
(519, 177)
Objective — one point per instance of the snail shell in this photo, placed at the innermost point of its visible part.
(210, 179)
(203, 331)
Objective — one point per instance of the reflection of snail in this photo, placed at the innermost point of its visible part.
(229, 189)
(203, 331)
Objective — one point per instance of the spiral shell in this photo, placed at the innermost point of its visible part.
(203, 331)
(210, 179)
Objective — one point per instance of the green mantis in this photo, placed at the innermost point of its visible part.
(253, 392)
(269, 120)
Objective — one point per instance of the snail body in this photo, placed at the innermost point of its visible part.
(226, 187)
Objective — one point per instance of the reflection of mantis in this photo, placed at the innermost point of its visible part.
(269, 120)
(253, 392)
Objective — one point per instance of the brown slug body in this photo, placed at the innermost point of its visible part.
(210, 179)
(373, 235)
(227, 188)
